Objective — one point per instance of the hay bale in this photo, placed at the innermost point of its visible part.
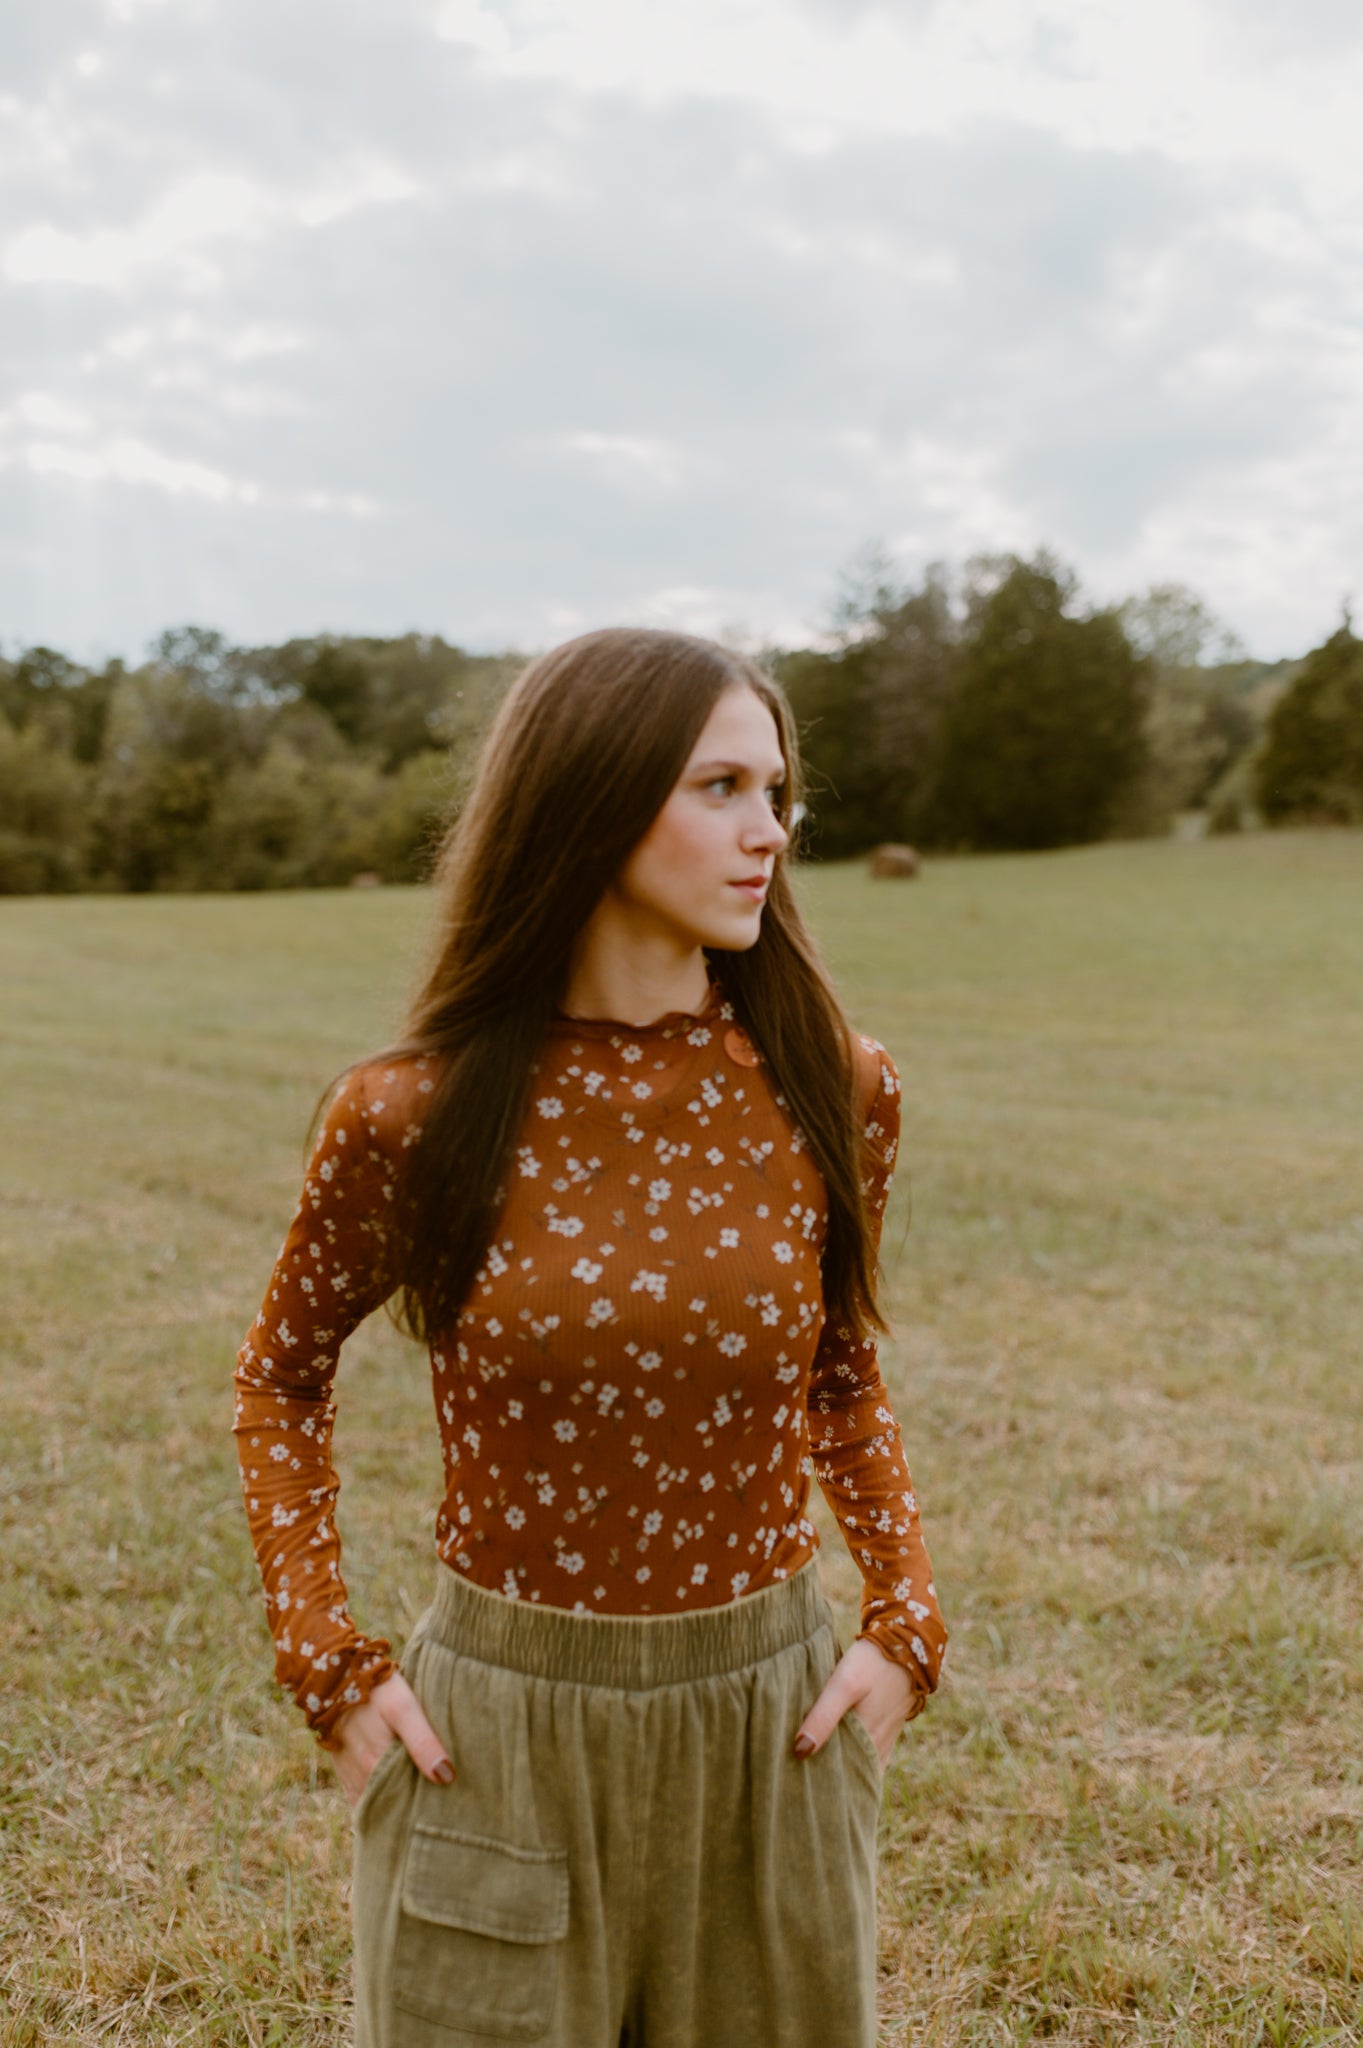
(888, 862)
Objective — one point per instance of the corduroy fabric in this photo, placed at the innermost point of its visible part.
(630, 1855)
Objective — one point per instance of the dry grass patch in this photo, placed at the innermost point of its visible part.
(1128, 1374)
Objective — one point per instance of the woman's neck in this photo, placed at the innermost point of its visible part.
(634, 985)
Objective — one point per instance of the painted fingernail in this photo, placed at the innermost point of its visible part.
(804, 1745)
(443, 1772)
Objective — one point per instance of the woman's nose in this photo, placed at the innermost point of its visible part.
(766, 831)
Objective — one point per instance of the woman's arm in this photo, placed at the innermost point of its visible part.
(336, 1265)
(858, 1454)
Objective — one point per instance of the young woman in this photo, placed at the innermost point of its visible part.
(625, 1172)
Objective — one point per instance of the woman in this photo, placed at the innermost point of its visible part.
(625, 1172)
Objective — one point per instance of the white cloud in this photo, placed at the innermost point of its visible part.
(51, 415)
(478, 26)
(632, 460)
(614, 311)
(200, 210)
(176, 232)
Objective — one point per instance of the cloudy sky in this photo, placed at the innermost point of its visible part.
(500, 318)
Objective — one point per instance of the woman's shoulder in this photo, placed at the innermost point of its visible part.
(387, 1097)
(877, 1076)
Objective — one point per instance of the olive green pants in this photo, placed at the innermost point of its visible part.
(630, 1855)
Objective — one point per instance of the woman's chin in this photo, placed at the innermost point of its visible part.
(736, 934)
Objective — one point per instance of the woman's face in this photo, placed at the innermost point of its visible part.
(701, 871)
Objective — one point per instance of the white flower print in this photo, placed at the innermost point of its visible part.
(739, 1525)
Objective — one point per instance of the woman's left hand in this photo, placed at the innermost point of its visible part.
(864, 1681)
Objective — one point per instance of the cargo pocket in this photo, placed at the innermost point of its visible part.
(480, 1934)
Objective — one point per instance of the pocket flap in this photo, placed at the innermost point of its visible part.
(486, 1887)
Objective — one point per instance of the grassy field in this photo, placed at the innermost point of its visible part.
(1128, 1369)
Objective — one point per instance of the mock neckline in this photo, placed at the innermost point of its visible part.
(670, 1025)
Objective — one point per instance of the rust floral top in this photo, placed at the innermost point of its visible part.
(641, 1381)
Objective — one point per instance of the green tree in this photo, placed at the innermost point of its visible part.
(44, 813)
(1044, 725)
(1311, 762)
(172, 739)
(871, 710)
(1198, 719)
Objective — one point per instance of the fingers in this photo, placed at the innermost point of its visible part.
(866, 1679)
(825, 1714)
(403, 1712)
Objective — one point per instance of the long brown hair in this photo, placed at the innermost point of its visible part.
(585, 750)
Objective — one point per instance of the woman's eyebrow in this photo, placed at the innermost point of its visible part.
(778, 774)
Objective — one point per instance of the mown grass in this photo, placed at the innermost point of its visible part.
(1127, 1367)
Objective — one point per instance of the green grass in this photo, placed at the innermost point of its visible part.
(1127, 1365)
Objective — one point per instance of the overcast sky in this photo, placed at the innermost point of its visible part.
(502, 318)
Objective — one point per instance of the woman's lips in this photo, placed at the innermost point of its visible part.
(754, 890)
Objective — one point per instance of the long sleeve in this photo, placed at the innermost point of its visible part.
(855, 1443)
(334, 1267)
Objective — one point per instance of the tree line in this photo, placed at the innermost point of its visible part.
(988, 708)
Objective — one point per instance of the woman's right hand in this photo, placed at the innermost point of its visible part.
(392, 1713)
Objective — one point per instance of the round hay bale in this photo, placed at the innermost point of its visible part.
(890, 862)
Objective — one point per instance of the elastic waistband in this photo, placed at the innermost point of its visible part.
(634, 1652)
